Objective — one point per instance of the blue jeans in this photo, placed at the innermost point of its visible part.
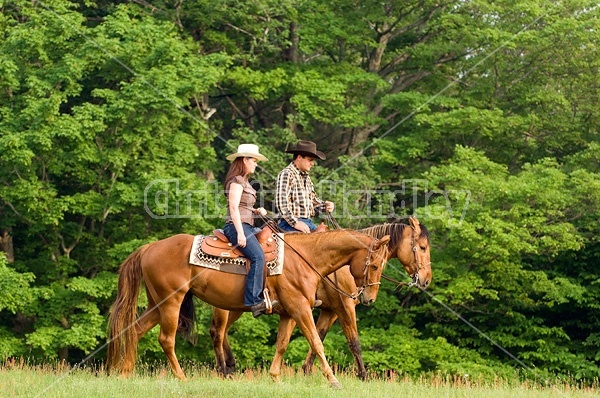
(254, 282)
(286, 227)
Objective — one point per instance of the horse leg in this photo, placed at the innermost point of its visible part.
(217, 333)
(324, 322)
(169, 317)
(305, 321)
(348, 323)
(229, 357)
(286, 326)
(221, 323)
(145, 322)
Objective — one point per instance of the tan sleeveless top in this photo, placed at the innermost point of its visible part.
(246, 201)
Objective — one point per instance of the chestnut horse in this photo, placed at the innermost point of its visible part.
(408, 243)
(164, 268)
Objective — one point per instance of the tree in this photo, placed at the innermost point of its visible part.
(86, 145)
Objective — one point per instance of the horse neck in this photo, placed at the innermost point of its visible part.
(335, 249)
(396, 232)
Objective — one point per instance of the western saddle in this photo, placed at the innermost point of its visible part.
(219, 246)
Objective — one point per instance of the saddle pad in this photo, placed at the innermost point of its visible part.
(233, 265)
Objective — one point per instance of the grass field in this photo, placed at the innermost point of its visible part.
(19, 380)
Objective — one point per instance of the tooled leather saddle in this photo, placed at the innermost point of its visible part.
(218, 245)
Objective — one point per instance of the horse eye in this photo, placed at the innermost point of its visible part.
(374, 267)
(423, 248)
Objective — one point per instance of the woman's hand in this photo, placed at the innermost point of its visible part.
(260, 211)
(241, 240)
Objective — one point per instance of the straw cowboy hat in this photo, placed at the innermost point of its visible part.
(246, 151)
(306, 148)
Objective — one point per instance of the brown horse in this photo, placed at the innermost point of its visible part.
(409, 244)
(168, 277)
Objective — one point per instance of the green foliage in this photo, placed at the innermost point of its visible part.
(15, 287)
(400, 350)
(11, 345)
(511, 219)
(336, 350)
(250, 342)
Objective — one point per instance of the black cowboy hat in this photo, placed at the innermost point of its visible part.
(306, 148)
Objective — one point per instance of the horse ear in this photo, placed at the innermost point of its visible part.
(382, 241)
(414, 223)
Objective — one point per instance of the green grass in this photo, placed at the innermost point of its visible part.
(22, 380)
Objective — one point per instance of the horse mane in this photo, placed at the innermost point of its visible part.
(299, 235)
(394, 230)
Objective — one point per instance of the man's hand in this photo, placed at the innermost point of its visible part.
(302, 227)
(329, 206)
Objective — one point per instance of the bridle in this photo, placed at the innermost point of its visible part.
(418, 265)
(331, 219)
(366, 283)
(334, 285)
(413, 245)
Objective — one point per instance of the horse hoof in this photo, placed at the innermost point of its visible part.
(336, 385)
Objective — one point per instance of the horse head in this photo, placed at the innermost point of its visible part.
(413, 252)
(409, 243)
(368, 278)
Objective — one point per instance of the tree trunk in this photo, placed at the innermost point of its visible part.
(377, 53)
(6, 245)
(291, 54)
(63, 353)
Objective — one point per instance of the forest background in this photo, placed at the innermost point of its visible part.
(479, 117)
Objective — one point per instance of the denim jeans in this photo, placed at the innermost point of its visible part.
(254, 282)
(286, 227)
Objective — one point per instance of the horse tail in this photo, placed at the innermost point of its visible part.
(122, 343)
(187, 319)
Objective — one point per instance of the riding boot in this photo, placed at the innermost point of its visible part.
(261, 308)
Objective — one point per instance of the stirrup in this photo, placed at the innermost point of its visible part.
(268, 302)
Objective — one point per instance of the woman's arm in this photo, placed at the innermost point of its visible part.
(234, 197)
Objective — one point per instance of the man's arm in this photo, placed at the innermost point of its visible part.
(282, 194)
(312, 194)
(318, 202)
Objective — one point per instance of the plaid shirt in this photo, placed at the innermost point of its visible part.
(295, 195)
